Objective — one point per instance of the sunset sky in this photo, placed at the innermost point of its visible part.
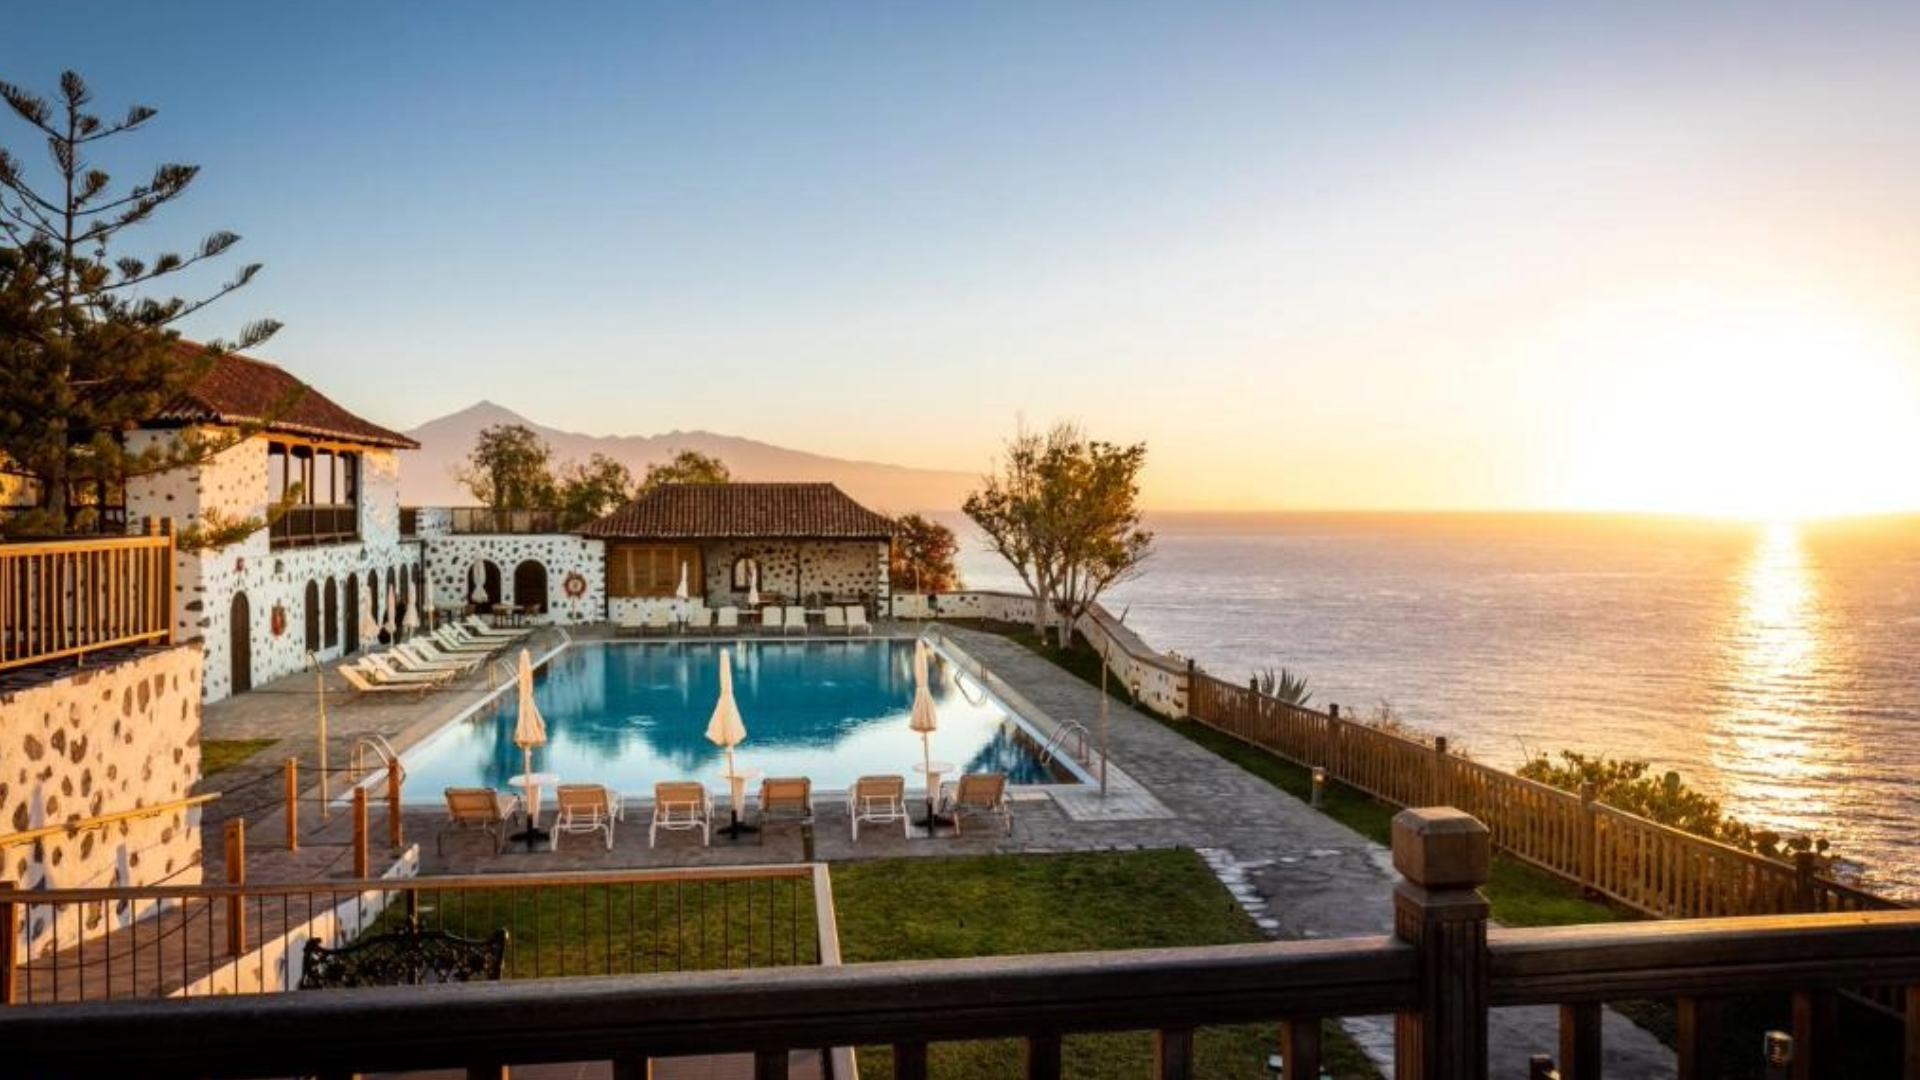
(1647, 256)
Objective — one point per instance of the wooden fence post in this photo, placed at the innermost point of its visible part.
(1589, 840)
(236, 875)
(1803, 881)
(360, 861)
(10, 949)
(1439, 781)
(293, 804)
(1443, 854)
(396, 832)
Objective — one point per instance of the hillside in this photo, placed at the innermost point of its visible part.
(427, 475)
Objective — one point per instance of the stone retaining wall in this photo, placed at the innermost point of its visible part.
(100, 741)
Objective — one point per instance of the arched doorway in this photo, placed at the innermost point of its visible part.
(240, 643)
(330, 619)
(350, 614)
(530, 587)
(311, 615)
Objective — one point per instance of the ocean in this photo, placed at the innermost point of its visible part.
(1773, 666)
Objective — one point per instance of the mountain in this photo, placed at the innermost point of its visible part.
(427, 475)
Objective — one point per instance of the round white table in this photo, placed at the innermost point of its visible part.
(934, 769)
(530, 784)
(737, 792)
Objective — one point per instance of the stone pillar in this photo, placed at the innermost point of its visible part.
(1444, 855)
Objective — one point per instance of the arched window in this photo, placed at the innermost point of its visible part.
(743, 568)
(312, 616)
(330, 618)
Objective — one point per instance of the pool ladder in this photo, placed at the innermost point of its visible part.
(389, 759)
(1067, 728)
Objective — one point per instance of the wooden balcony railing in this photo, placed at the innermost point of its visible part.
(67, 598)
(1438, 975)
(310, 526)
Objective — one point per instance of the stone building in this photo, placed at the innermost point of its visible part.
(320, 578)
(803, 543)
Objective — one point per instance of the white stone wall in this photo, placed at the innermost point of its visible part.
(96, 742)
(450, 558)
(1157, 679)
(205, 583)
(843, 568)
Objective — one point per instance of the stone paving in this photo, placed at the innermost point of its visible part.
(1298, 873)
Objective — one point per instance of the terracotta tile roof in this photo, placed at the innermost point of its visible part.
(743, 512)
(242, 390)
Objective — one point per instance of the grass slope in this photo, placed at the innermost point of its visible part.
(1005, 905)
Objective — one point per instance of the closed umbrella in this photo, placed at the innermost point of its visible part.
(387, 625)
(681, 592)
(426, 597)
(727, 730)
(528, 732)
(477, 573)
(925, 720)
(410, 622)
(369, 626)
(753, 585)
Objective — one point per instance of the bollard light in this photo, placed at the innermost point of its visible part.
(1779, 1048)
(806, 840)
(1319, 786)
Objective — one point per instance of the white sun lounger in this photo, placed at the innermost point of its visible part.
(796, 620)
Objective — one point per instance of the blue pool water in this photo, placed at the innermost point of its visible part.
(629, 715)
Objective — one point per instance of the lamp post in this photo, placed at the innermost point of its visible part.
(320, 702)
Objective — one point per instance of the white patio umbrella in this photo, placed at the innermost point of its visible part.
(529, 731)
(410, 622)
(424, 599)
(753, 585)
(477, 573)
(681, 592)
(727, 730)
(924, 720)
(369, 626)
(387, 625)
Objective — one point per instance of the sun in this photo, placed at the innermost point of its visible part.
(1747, 410)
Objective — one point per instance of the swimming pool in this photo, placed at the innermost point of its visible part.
(631, 714)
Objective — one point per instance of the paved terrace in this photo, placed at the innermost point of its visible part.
(1296, 871)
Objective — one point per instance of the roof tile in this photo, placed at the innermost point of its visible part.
(242, 390)
(743, 511)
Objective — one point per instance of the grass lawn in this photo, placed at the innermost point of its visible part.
(1005, 905)
(219, 755)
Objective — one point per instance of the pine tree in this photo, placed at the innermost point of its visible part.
(87, 352)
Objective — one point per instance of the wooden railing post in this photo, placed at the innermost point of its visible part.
(1698, 1052)
(293, 804)
(1589, 839)
(396, 831)
(10, 949)
(1816, 1030)
(1580, 1044)
(1803, 899)
(1444, 855)
(1438, 783)
(360, 859)
(236, 837)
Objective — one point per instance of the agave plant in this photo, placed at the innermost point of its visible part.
(1284, 685)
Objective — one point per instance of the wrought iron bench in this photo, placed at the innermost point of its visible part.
(406, 958)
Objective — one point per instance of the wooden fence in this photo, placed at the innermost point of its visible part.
(1645, 866)
(1439, 974)
(66, 598)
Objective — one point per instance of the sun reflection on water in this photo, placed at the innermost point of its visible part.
(1777, 754)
